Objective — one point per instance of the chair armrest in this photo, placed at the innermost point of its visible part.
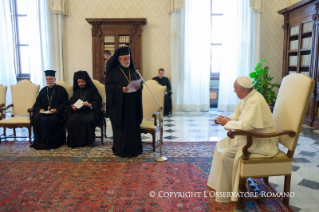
(251, 135)
(157, 114)
(103, 109)
(30, 112)
(6, 108)
(233, 133)
(1, 111)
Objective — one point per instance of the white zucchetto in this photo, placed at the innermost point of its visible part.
(244, 82)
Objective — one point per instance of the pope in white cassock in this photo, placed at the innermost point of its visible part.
(251, 114)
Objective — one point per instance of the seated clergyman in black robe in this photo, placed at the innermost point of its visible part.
(83, 119)
(48, 127)
(124, 108)
(165, 81)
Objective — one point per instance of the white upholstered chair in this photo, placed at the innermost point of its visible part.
(3, 91)
(289, 113)
(152, 114)
(24, 95)
(68, 88)
(100, 87)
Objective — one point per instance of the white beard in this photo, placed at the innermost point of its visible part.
(50, 85)
(125, 66)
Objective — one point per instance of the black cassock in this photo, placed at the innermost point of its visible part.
(81, 123)
(125, 113)
(167, 101)
(48, 128)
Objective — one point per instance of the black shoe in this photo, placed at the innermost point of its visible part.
(92, 144)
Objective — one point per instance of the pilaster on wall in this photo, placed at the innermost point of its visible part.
(272, 36)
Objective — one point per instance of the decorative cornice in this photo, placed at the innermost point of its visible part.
(286, 21)
(96, 30)
(103, 21)
(296, 6)
(316, 16)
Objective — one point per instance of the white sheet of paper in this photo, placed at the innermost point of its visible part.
(46, 112)
(131, 86)
(78, 104)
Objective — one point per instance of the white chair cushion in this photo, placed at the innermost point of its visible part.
(16, 120)
(148, 124)
(280, 164)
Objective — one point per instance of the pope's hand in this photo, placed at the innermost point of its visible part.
(222, 120)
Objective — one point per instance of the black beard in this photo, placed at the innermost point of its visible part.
(83, 88)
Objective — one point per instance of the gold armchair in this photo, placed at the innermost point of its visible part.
(152, 114)
(289, 113)
(3, 91)
(24, 95)
(100, 87)
(68, 88)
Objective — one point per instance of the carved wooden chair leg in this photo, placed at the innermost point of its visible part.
(287, 189)
(102, 133)
(4, 131)
(266, 180)
(105, 131)
(14, 132)
(241, 199)
(105, 128)
(29, 129)
(154, 140)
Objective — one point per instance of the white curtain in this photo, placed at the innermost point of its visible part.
(177, 53)
(240, 49)
(39, 40)
(58, 8)
(56, 32)
(191, 56)
(7, 71)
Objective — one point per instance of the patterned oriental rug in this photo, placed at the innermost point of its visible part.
(93, 179)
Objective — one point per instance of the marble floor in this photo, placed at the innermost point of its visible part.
(200, 126)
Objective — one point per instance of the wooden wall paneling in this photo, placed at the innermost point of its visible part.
(132, 27)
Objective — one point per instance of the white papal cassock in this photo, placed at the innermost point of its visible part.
(251, 114)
